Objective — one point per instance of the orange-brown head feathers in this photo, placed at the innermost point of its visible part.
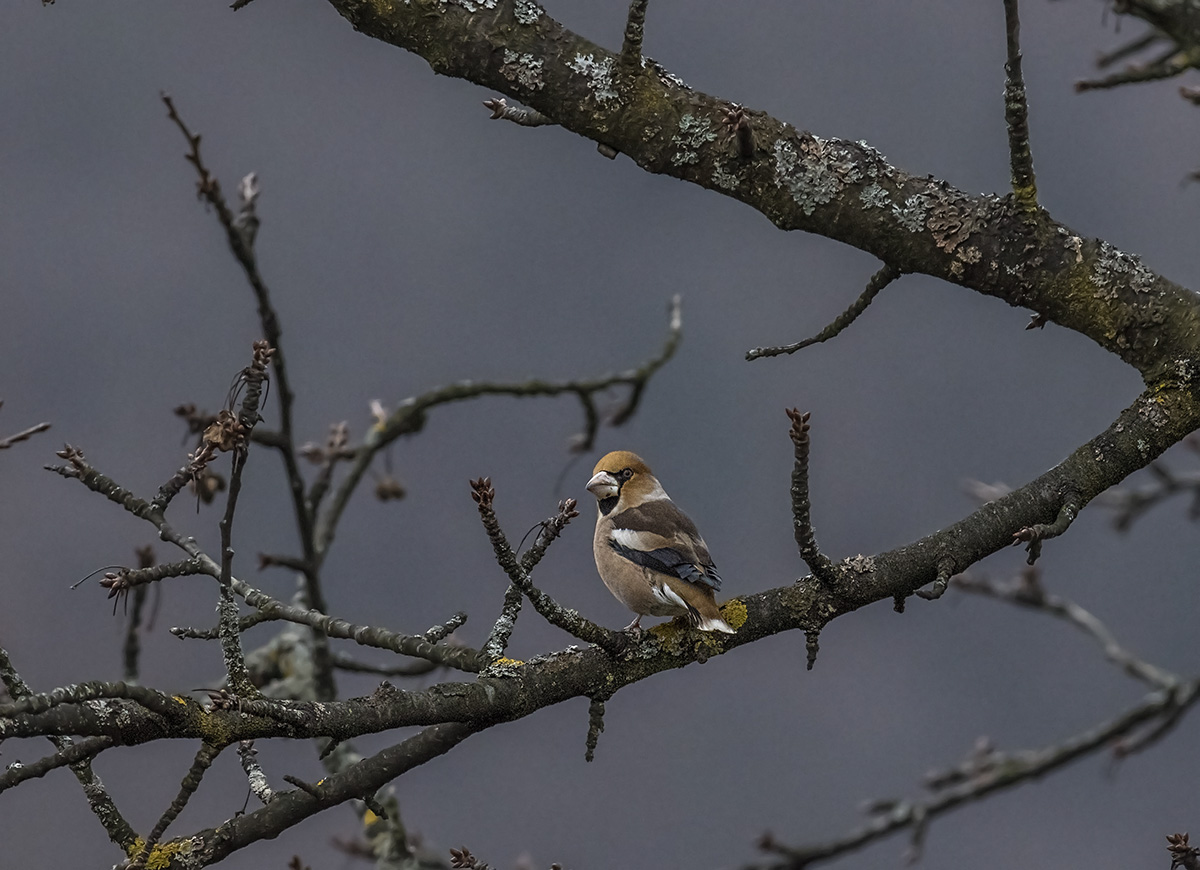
(625, 475)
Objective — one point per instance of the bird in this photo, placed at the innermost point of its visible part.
(649, 554)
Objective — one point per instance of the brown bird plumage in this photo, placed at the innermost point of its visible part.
(649, 554)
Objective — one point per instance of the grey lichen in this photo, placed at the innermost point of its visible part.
(524, 69)
(663, 73)
(860, 564)
(1114, 269)
(599, 74)
(476, 5)
(694, 133)
(912, 213)
(874, 196)
(873, 162)
(724, 179)
(814, 170)
(527, 12)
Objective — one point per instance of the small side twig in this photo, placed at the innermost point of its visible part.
(205, 756)
(254, 772)
(69, 755)
(945, 571)
(1174, 63)
(820, 564)
(1016, 114)
(23, 435)
(568, 620)
(635, 31)
(1027, 591)
(1003, 771)
(521, 115)
(438, 633)
(878, 281)
(132, 648)
(595, 726)
(98, 798)
(1033, 536)
(344, 662)
(253, 378)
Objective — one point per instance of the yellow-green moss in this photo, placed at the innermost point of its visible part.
(735, 613)
(512, 663)
(162, 854)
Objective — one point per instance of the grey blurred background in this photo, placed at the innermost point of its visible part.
(409, 241)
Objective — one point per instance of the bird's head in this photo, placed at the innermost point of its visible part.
(625, 477)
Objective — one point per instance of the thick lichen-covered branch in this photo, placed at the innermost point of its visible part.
(837, 188)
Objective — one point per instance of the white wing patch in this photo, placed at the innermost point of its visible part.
(643, 541)
(667, 595)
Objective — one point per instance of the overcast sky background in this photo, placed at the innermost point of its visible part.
(410, 241)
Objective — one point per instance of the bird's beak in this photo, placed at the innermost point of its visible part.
(603, 485)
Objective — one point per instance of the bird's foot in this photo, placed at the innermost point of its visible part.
(635, 628)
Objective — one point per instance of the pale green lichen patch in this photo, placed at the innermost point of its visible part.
(527, 12)
(814, 171)
(912, 213)
(724, 179)
(524, 69)
(599, 74)
(694, 133)
(874, 196)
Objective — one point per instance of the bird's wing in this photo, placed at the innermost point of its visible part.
(659, 536)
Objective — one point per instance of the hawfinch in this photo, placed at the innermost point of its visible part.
(648, 553)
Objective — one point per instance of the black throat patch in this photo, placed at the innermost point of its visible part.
(607, 504)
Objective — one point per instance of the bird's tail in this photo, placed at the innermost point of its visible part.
(714, 623)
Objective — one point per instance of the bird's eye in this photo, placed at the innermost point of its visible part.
(626, 473)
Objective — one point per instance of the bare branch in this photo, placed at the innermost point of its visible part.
(1016, 114)
(878, 281)
(1027, 591)
(821, 566)
(1004, 771)
(568, 620)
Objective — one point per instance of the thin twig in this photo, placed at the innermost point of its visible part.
(568, 620)
(409, 418)
(1011, 769)
(98, 798)
(878, 281)
(240, 232)
(205, 756)
(1028, 591)
(23, 435)
(820, 564)
(1034, 535)
(1016, 114)
(635, 31)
